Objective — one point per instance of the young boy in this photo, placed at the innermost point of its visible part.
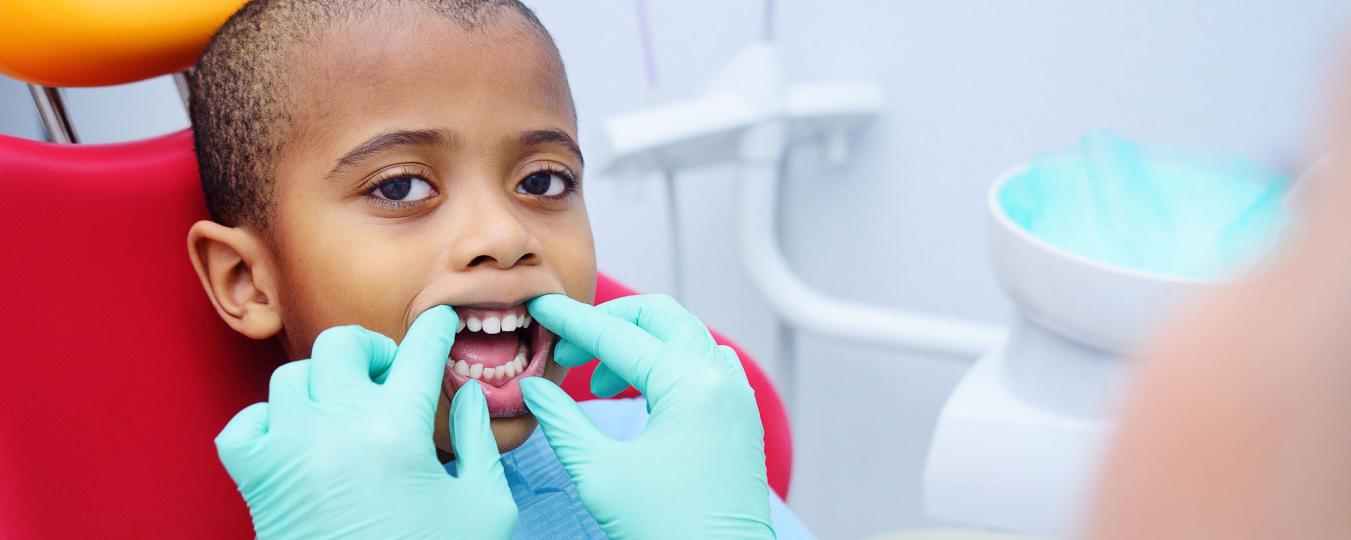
(366, 160)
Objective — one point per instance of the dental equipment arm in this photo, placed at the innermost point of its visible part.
(1238, 427)
(750, 115)
(698, 468)
(343, 447)
(806, 308)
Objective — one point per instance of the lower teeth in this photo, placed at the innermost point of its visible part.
(503, 372)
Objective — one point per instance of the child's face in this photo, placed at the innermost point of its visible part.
(431, 165)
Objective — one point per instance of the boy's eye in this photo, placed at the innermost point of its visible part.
(543, 184)
(403, 189)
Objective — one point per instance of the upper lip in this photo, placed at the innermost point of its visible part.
(491, 305)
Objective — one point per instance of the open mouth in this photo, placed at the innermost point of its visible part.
(498, 347)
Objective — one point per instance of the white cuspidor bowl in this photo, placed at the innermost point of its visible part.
(1095, 303)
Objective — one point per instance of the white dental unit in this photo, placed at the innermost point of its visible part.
(1021, 438)
(1019, 441)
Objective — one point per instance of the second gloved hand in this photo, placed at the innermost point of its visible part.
(343, 447)
(698, 469)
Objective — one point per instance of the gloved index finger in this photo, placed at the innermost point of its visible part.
(420, 362)
(626, 349)
(661, 316)
(246, 426)
(233, 443)
(345, 357)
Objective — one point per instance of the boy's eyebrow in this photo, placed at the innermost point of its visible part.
(390, 139)
(553, 137)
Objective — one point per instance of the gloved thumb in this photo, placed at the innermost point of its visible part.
(233, 442)
(472, 434)
(571, 434)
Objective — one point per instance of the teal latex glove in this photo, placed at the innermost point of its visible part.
(343, 447)
(698, 468)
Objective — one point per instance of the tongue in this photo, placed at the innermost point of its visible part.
(491, 350)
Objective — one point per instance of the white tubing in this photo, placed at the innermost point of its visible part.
(810, 311)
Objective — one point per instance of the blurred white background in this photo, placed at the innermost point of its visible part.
(972, 86)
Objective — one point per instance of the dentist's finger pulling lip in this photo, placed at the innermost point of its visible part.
(498, 346)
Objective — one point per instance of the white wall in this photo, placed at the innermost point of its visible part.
(973, 86)
(17, 116)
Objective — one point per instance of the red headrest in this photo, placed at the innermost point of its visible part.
(118, 372)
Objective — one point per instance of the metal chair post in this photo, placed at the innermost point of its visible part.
(52, 108)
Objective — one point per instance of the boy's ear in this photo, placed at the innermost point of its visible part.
(237, 271)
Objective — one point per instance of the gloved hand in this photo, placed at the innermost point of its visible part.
(343, 447)
(698, 469)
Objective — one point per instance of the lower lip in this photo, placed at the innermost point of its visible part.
(505, 401)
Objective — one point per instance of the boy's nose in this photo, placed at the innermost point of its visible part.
(494, 237)
(502, 262)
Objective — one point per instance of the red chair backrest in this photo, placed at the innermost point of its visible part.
(118, 372)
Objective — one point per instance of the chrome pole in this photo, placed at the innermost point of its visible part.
(52, 108)
(181, 81)
(668, 176)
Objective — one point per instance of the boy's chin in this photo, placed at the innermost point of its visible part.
(512, 432)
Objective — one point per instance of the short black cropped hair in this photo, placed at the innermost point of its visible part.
(239, 97)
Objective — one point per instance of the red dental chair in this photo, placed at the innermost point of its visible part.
(117, 372)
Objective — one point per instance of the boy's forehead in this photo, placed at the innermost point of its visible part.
(413, 70)
(415, 65)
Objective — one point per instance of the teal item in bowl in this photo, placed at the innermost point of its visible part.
(1150, 210)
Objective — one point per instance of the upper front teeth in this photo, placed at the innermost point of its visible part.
(492, 324)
